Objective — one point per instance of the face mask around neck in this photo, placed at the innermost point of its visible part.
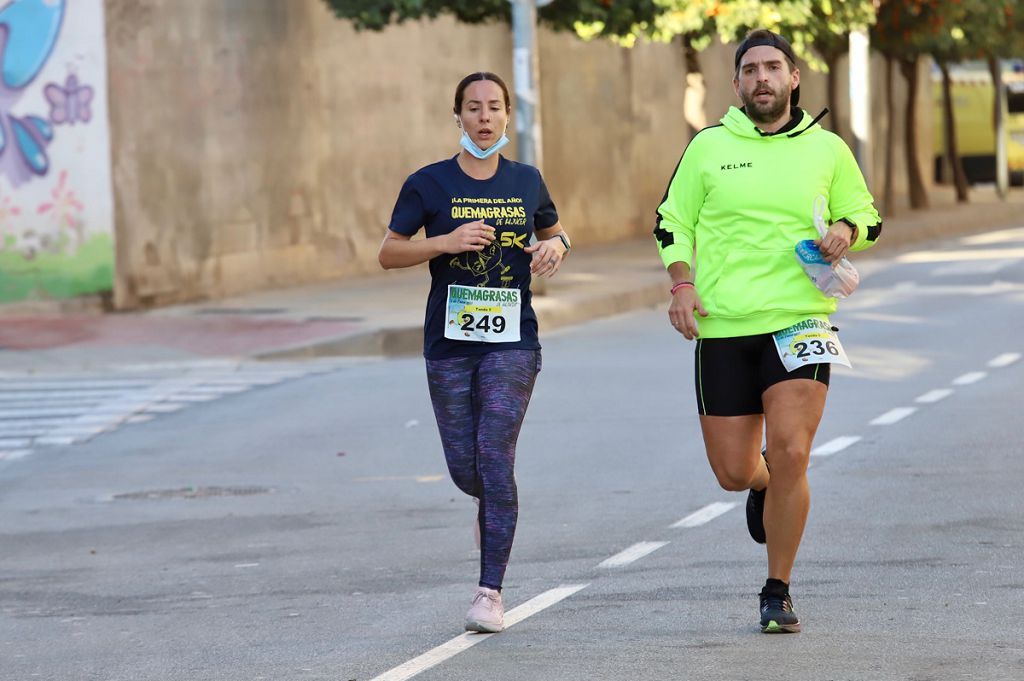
(469, 145)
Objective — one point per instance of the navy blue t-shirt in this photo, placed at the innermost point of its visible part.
(441, 197)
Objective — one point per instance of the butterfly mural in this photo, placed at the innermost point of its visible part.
(28, 33)
(70, 103)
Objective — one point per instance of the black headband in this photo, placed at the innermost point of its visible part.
(770, 40)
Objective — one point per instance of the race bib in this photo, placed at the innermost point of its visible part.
(478, 313)
(810, 342)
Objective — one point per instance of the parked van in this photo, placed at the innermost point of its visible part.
(972, 95)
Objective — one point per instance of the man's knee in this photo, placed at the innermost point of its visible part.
(734, 479)
(788, 461)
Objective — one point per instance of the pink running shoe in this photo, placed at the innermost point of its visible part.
(487, 614)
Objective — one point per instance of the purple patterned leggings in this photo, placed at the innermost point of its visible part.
(479, 403)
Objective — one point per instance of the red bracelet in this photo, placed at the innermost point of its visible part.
(680, 285)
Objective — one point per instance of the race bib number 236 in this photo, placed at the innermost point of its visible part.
(812, 341)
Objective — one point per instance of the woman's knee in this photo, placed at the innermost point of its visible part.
(465, 478)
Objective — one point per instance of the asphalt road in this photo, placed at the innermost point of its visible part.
(307, 530)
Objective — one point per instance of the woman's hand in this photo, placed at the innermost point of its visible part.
(684, 301)
(547, 257)
(472, 236)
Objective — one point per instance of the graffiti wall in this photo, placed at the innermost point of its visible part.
(56, 222)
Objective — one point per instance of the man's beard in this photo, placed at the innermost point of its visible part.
(769, 112)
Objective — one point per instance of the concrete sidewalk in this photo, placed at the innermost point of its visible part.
(383, 315)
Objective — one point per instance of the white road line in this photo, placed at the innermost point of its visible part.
(33, 412)
(706, 514)
(835, 445)
(968, 378)
(189, 397)
(458, 644)
(207, 389)
(78, 385)
(15, 454)
(1006, 359)
(14, 443)
(633, 553)
(934, 395)
(57, 440)
(163, 408)
(47, 399)
(893, 415)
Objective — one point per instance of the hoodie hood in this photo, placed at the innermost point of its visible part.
(737, 122)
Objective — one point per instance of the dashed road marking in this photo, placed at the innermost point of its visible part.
(632, 554)
(1005, 359)
(970, 377)
(706, 514)
(893, 415)
(445, 651)
(835, 445)
(934, 396)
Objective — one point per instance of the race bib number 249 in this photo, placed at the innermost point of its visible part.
(479, 313)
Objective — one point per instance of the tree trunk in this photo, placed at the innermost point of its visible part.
(918, 195)
(832, 93)
(890, 135)
(949, 134)
(999, 125)
(696, 91)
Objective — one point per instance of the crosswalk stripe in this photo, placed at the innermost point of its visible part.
(65, 409)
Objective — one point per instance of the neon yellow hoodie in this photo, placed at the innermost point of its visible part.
(740, 200)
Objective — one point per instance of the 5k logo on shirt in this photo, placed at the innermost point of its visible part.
(507, 239)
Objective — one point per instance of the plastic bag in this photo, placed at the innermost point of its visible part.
(837, 280)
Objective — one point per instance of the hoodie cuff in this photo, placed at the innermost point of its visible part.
(674, 253)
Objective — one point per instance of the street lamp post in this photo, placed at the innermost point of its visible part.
(525, 80)
(525, 84)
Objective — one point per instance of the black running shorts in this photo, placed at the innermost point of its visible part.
(732, 373)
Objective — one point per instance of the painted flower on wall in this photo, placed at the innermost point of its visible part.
(8, 224)
(66, 211)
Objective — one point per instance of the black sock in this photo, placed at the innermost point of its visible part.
(776, 587)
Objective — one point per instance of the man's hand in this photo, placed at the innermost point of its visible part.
(836, 243)
(684, 301)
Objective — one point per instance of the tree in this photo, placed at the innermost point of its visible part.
(895, 34)
(945, 41)
(615, 17)
(828, 29)
(818, 28)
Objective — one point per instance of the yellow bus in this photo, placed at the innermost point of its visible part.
(975, 130)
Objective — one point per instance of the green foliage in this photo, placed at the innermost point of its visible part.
(818, 29)
(604, 17)
(949, 30)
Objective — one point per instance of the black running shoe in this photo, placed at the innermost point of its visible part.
(777, 616)
(755, 514)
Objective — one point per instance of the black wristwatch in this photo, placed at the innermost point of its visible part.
(565, 242)
(851, 225)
